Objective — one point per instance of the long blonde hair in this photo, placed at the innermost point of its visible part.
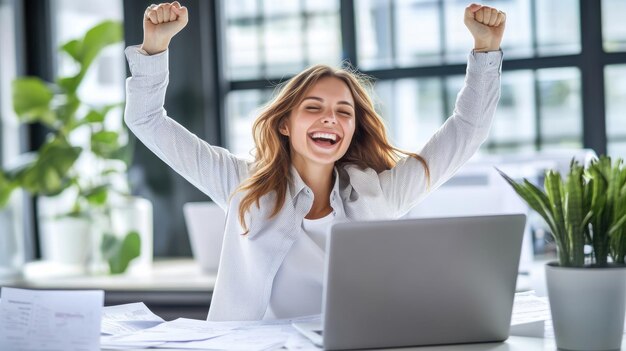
(271, 169)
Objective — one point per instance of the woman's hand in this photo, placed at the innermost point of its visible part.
(161, 23)
(486, 25)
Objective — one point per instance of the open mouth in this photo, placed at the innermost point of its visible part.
(324, 139)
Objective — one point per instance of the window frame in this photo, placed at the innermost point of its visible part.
(590, 61)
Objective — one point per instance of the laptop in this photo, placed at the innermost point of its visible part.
(415, 282)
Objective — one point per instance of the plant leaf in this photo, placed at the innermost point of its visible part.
(48, 175)
(119, 253)
(98, 37)
(105, 143)
(73, 48)
(6, 188)
(98, 195)
(31, 101)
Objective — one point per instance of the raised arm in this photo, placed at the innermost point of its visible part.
(211, 169)
(468, 127)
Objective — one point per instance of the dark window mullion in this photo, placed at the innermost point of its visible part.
(442, 30)
(447, 110)
(348, 32)
(261, 22)
(304, 31)
(534, 39)
(592, 74)
(392, 33)
(537, 108)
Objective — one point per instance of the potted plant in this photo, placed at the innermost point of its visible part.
(52, 172)
(586, 214)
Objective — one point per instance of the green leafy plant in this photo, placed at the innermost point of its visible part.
(119, 252)
(587, 207)
(52, 169)
(57, 106)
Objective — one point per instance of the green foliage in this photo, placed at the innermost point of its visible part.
(31, 101)
(587, 207)
(609, 203)
(6, 187)
(50, 170)
(119, 252)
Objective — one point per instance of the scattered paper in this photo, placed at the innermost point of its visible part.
(529, 308)
(128, 318)
(50, 320)
(249, 339)
(300, 342)
(181, 329)
(108, 342)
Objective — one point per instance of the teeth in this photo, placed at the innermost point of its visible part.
(332, 137)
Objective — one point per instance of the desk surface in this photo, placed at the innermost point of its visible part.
(168, 275)
(514, 343)
(173, 288)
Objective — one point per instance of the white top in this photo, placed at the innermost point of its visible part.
(298, 285)
(249, 263)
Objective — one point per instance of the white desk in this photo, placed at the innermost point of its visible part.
(173, 288)
(514, 343)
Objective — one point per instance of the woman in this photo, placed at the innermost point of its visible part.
(322, 156)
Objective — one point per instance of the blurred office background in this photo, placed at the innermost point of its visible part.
(563, 81)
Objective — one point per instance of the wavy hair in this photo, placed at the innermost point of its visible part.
(369, 147)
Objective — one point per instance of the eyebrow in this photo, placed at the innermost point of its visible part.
(342, 102)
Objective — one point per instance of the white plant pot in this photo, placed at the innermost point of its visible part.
(587, 306)
(11, 240)
(66, 240)
(205, 224)
(131, 213)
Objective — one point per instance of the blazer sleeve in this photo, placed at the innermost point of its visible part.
(455, 141)
(213, 170)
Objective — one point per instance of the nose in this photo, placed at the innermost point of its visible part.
(330, 118)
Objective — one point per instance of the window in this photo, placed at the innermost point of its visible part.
(613, 25)
(615, 95)
(401, 33)
(270, 40)
(417, 50)
(9, 126)
(104, 83)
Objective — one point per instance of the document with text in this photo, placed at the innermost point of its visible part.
(50, 319)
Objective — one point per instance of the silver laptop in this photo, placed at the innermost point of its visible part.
(419, 282)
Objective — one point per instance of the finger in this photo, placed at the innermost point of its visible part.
(175, 11)
(479, 16)
(159, 12)
(473, 7)
(486, 15)
(176, 4)
(494, 17)
(501, 18)
(146, 13)
(166, 12)
(173, 14)
(183, 13)
(153, 17)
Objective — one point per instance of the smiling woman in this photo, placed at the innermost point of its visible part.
(321, 157)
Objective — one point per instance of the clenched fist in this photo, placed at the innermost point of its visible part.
(486, 25)
(161, 23)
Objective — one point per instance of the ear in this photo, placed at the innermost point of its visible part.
(283, 129)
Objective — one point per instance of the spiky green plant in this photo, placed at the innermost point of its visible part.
(609, 206)
(587, 207)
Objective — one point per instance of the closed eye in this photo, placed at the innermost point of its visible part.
(346, 113)
(312, 108)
